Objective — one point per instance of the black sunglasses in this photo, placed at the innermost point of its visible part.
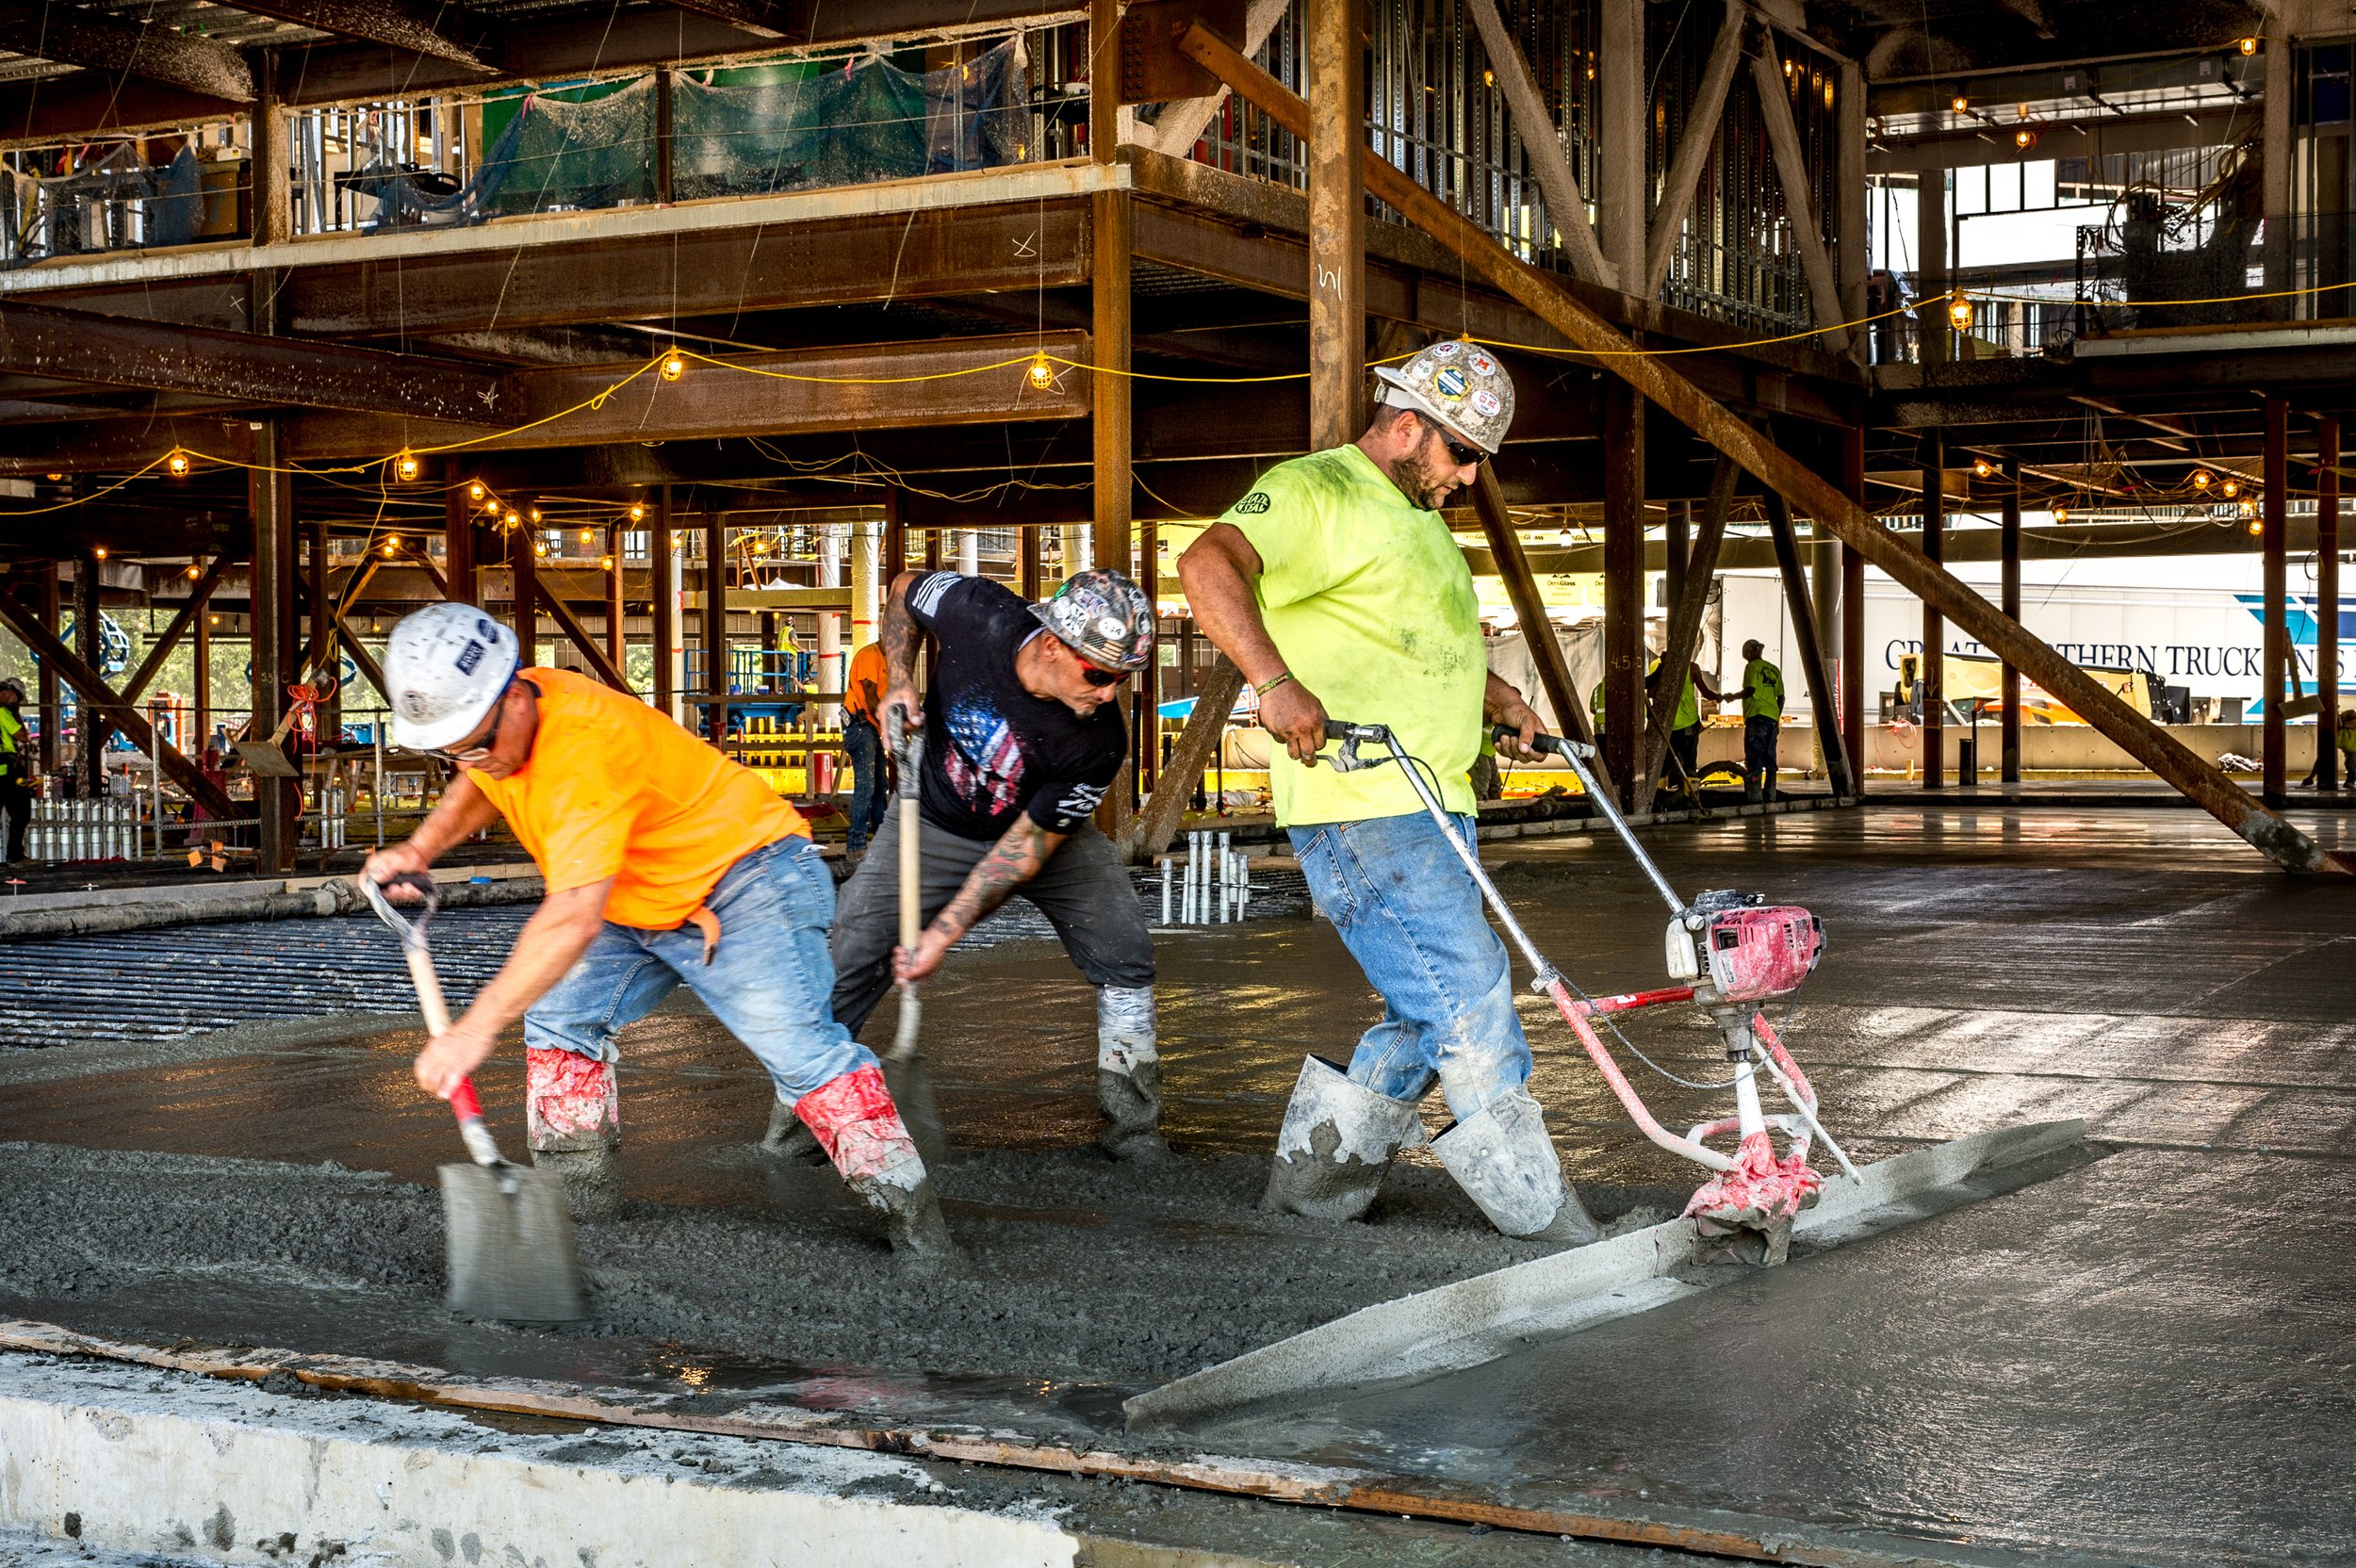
(1095, 677)
(490, 740)
(1465, 456)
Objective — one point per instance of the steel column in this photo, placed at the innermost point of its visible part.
(1934, 667)
(2010, 544)
(269, 495)
(617, 633)
(458, 537)
(1683, 632)
(47, 610)
(89, 728)
(2328, 598)
(1839, 770)
(715, 626)
(1337, 221)
(2274, 536)
(523, 575)
(1852, 671)
(1623, 588)
(662, 564)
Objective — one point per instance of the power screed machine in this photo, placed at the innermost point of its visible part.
(1729, 953)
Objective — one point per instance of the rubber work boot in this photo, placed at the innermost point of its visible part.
(1503, 1159)
(1750, 792)
(787, 1137)
(1338, 1140)
(573, 1120)
(1128, 1073)
(860, 1129)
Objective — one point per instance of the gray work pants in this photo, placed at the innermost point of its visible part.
(1083, 890)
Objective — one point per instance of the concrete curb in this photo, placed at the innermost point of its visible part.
(117, 909)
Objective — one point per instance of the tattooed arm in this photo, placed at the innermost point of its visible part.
(1013, 861)
(900, 636)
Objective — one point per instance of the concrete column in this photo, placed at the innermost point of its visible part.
(969, 552)
(1624, 114)
(867, 583)
(272, 157)
(1930, 284)
(1337, 221)
(830, 665)
(2277, 144)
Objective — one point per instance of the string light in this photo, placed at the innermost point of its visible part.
(585, 535)
(2024, 138)
(2231, 488)
(637, 513)
(194, 570)
(674, 366)
(511, 519)
(392, 547)
(1959, 103)
(2061, 514)
(1041, 375)
(1982, 467)
(406, 466)
(2249, 508)
(53, 478)
(535, 513)
(474, 490)
(178, 464)
(2249, 46)
(2201, 478)
(99, 553)
(606, 564)
(539, 547)
(1959, 313)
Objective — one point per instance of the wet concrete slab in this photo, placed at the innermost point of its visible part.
(2106, 1361)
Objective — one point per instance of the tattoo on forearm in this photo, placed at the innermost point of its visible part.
(900, 636)
(1013, 861)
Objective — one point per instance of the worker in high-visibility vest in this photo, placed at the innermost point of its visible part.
(2346, 735)
(1685, 727)
(1763, 721)
(16, 768)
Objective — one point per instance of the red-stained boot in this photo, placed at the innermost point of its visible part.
(857, 1125)
(572, 1112)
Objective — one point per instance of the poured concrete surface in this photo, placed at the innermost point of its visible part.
(2131, 1359)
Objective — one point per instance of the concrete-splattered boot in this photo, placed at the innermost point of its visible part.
(1128, 1073)
(1503, 1159)
(573, 1117)
(1337, 1142)
(860, 1129)
(789, 1138)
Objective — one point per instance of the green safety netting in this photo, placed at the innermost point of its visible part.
(790, 127)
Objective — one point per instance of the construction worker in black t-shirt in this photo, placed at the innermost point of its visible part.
(1022, 737)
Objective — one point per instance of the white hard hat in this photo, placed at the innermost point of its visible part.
(447, 663)
(1458, 382)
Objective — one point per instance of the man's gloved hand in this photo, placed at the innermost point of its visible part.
(1293, 714)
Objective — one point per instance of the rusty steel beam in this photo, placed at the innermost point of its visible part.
(98, 697)
(661, 277)
(805, 391)
(1684, 630)
(439, 32)
(1666, 386)
(1841, 774)
(568, 622)
(68, 35)
(1529, 610)
(1158, 820)
(115, 351)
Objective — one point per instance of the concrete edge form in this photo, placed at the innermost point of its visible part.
(1479, 1319)
(1316, 1488)
(98, 911)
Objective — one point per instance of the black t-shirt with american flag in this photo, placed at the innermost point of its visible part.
(991, 748)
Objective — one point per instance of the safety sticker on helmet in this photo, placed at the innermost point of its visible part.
(1450, 382)
(1485, 403)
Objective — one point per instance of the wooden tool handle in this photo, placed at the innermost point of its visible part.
(429, 985)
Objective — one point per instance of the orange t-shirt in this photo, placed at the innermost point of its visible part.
(863, 688)
(614, 787)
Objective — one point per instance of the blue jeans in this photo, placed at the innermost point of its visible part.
(870, 800)
(1412, 916)
(767, 982)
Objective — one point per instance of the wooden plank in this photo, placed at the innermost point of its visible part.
(1198, 742)
(568, 622)
(1529, 610)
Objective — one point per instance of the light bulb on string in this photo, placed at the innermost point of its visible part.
(2249, 46)
(1041, 374)
(406, 466)
(178, 464)
(674, 366)
(194, 570)
(2231, 488)
(1959, 312)
(637, 513)
(2061, 514)
(392, 547)
(99, 553)
(1959, 103)
(535, 513)
(474, 490)
(2203, 479)
(585, 535)
(1982, 467)
(510, 520)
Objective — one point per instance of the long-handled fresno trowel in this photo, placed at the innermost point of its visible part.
(510, 1237)
(911, 1087)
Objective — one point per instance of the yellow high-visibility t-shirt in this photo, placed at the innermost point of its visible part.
(614, 787)
(1368, 599)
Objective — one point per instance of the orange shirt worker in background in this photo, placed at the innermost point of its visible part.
(666, 863)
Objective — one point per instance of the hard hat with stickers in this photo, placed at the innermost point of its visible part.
(1461, 385)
